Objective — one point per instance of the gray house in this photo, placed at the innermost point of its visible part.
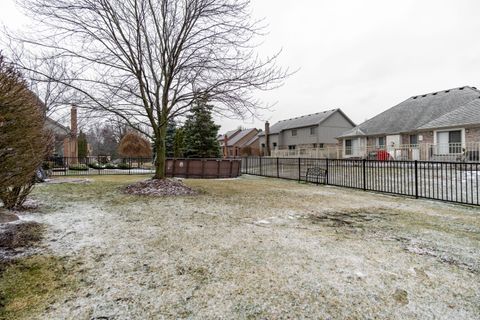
(443, 125)
(313, 131)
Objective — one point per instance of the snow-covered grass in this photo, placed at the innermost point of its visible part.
(259, 248)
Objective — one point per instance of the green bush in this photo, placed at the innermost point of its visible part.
(110, 166)
(78, 167)
(124, 166)
(96, 165)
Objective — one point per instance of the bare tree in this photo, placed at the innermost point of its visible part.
(148, 61)
(41, 73)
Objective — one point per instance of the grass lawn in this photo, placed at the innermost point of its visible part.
(249, 248)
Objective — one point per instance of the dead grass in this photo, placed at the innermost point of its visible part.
(29, 285)
(256, 248)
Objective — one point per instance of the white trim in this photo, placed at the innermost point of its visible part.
(462, 130)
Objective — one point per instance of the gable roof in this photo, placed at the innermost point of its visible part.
(56, 127)
(229, 134)
(415, 112)
(466, 115)
(304, 121)
(251, 141)
(239, 136)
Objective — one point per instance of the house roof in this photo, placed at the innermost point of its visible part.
(239, 136)
(416, 112)
(56, 127)
(250, 142)
(303, 121)
(468, 114)
(229, 134)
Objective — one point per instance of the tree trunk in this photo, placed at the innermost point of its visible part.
(160, 154)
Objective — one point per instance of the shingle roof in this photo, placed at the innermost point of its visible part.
(415, 112)
(56, 127)
(466, 115)
(229, 134)
(301, 122)
(237, 137)
(251, 141)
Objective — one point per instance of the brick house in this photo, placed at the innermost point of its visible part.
(303, 134)
(240, 142)
(442, 125)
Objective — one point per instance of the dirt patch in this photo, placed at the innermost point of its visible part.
(19, 235)
(159, 188)
(6, 217)
(350, 218)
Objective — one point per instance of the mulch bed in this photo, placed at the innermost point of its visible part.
(160, 188)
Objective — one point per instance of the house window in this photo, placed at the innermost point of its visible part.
(294, 132)
(313, 130)
(381, 142)
(291, 147)
(321, 146)
(274, 145)
(413, 139)
(263, 145)
(449, 142)
(348, 147)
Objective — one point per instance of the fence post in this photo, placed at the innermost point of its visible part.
(416, 179)
(278, 170)
(364, 175)
(246, 165)
(260, 159)
(327, 173)
(299, 170)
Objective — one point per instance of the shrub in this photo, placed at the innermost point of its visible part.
(110, 166)
(97, 166)
(22, 147)
(48, 165)
(124, 166)
(78, 167)
(134, 145)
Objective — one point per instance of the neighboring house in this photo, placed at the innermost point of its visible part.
(240, 142)
(443, 125)
(313, 131)
(59, 133)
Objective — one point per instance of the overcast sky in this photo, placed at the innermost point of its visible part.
(361, 56)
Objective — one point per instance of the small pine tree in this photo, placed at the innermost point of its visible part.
(170, 138)
(179, 143)
(82, 145)
(201, 132)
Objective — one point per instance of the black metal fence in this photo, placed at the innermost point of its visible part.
(67, 166)
(446, 181)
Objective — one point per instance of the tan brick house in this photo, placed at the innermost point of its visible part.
(443, 125)
(240, 142)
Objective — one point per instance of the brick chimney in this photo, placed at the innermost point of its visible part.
(73, 122)
(267, 139)
(225, 147)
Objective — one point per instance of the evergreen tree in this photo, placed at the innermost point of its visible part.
(201, 132)
(179, 143)
(170, 138)
(82, 145)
